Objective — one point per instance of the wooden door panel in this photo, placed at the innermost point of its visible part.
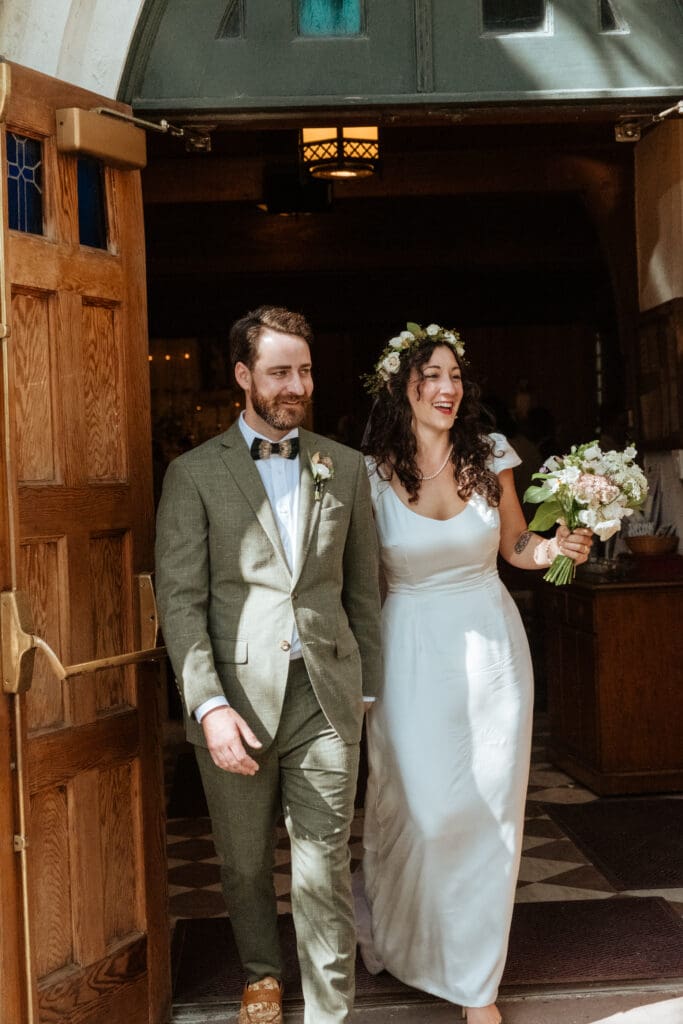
(112, 990)
(41, 570)
(111, 582)
(51, 855)
(55, 759)
(34, 366)
(79, 449)
(101, 279)
(103, 397)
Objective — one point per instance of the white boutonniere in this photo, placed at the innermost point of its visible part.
(322, 469)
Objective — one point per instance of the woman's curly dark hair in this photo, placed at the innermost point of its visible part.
(391, 442)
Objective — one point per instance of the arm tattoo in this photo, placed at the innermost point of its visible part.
(522, 541)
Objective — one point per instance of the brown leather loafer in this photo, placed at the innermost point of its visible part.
(262, 1002)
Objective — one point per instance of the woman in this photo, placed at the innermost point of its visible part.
(449, 739)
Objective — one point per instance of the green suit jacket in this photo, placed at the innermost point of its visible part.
(228, 600)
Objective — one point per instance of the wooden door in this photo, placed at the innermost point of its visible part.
(83, 921)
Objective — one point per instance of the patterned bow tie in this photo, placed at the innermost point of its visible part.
(262, 449)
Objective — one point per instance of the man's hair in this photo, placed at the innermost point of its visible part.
(246, 332)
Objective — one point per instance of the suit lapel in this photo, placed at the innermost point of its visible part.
(309, 508)
(238, 460)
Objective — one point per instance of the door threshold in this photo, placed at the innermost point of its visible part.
(225, 1012)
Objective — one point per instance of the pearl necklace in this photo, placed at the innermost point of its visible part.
(441, 467)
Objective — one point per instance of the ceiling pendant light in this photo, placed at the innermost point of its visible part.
(339, 153)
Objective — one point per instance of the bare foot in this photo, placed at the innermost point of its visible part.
(484, 1015)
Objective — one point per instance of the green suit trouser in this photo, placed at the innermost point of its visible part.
(309, 774)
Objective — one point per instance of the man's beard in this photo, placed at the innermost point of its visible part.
(278, 413)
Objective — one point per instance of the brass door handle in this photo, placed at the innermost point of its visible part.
(19, 643)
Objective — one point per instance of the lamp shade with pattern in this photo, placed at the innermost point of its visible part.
(341, 152)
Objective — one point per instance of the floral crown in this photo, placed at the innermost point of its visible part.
(407, 341)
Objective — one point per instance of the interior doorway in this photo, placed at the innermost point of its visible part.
(517, 261)
(497, 231)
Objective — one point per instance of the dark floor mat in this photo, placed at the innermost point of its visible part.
(206, 968)
(625, 938)
(635, 843)
(556, 943)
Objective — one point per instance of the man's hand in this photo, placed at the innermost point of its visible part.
(225, 732)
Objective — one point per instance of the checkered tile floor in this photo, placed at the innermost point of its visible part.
(552, 867)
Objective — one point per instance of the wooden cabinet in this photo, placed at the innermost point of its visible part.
(615, 684)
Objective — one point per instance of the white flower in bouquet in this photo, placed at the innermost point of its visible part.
(587, 487)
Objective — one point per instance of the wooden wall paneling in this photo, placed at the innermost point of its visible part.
(660, 375)
(102, 392)
(120, 847)
(450, 233)
(674, 372)
(41, 574)
(478, 169)
(33, 348)
(51, 872)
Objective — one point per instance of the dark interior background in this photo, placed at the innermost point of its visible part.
(521, 274)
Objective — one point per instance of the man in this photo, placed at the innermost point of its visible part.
(268, 595)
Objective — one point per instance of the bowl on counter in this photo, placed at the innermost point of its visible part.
(651, 545)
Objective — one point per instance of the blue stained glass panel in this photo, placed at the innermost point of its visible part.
(92, 219)
(25, 183)
(330, 17)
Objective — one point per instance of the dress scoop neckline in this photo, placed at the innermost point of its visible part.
(429, 519)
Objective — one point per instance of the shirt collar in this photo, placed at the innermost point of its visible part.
(249, 435)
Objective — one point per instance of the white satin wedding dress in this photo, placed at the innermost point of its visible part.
(449, 746)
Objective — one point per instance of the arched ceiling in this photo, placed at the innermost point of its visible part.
(226, 56)
(172, 55)
(85, 42)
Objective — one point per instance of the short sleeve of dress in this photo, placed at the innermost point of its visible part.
(504, 455)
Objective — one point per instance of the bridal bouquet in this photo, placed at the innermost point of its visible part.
(587, 487)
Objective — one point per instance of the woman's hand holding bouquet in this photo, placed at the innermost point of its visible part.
(585, 488)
